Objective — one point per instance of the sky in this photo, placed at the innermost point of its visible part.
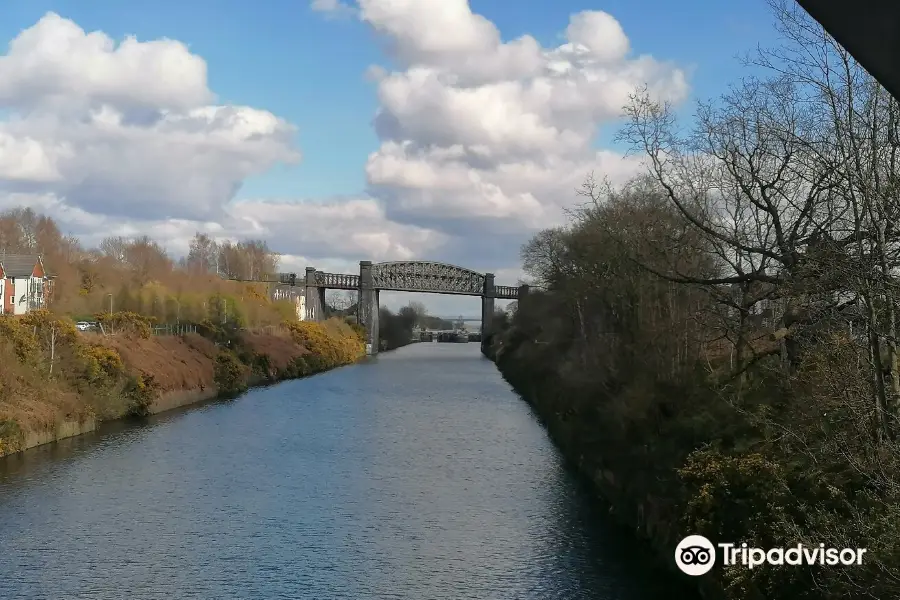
(446, 130)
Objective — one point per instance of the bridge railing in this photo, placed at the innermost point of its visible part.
(506, 292)
(281, 278)
(337, 281)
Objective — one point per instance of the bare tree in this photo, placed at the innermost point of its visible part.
(756, 181)
(116, 247)
(340, 300)
(250, 260)
(860, 125)
(418, 309)
(543, 257)
(203, 255)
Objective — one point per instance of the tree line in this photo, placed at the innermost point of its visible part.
(720, 333)
(137, 274)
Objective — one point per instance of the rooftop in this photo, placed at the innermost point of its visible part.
(18, 265)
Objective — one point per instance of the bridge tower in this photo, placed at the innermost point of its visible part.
(367, 306)
(487, 310)
(314, 297)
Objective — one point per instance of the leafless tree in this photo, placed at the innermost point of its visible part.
(340, 300)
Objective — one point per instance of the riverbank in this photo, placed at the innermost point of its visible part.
(682, 455)
(56, 382)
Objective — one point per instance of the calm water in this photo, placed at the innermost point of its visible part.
(418, 475)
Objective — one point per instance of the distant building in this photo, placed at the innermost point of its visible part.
(24, 284)
(294, 295)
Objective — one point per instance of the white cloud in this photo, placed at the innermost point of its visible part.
(482, 140)
(491, 137)
(335, 231)
(126, 129)
(56, 64)
(599, 34)
(343, 228)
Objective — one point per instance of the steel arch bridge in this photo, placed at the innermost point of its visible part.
(400, 276)
(419, 276)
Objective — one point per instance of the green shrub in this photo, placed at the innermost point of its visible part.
(231, 375)
(260, 366)
(140, 392)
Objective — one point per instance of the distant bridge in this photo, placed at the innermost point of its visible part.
(402, 276)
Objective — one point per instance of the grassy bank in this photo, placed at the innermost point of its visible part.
(55, 379)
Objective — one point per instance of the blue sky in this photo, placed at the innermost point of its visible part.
(522, 153)
(282, 56)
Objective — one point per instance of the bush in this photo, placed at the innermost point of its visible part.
(102, 365)
(330, 344)
(126, 322)
(21, 338)
(11, 437)
(260, 365)
(231, 375)
(358, 329)
(140, 393)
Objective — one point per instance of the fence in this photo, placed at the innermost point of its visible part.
(176, 329)
(185, 328)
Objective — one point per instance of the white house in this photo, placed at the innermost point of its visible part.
(24, 284)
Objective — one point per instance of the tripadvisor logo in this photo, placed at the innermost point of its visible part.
(696, 555)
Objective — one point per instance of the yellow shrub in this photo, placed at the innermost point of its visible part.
(41, 322)
(330, 344)
(22, 338)
(254, 294)
(101, 362)
(127, 322)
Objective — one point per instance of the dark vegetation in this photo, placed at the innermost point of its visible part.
(394, 329)
(716, 345)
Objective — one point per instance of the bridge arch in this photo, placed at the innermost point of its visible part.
(430, 277)
(427, 276)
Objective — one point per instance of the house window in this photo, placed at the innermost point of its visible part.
(35, 293)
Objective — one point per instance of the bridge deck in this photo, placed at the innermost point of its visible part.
(421, 277)
(443, 285)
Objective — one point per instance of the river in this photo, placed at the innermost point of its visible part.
(415, 475)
